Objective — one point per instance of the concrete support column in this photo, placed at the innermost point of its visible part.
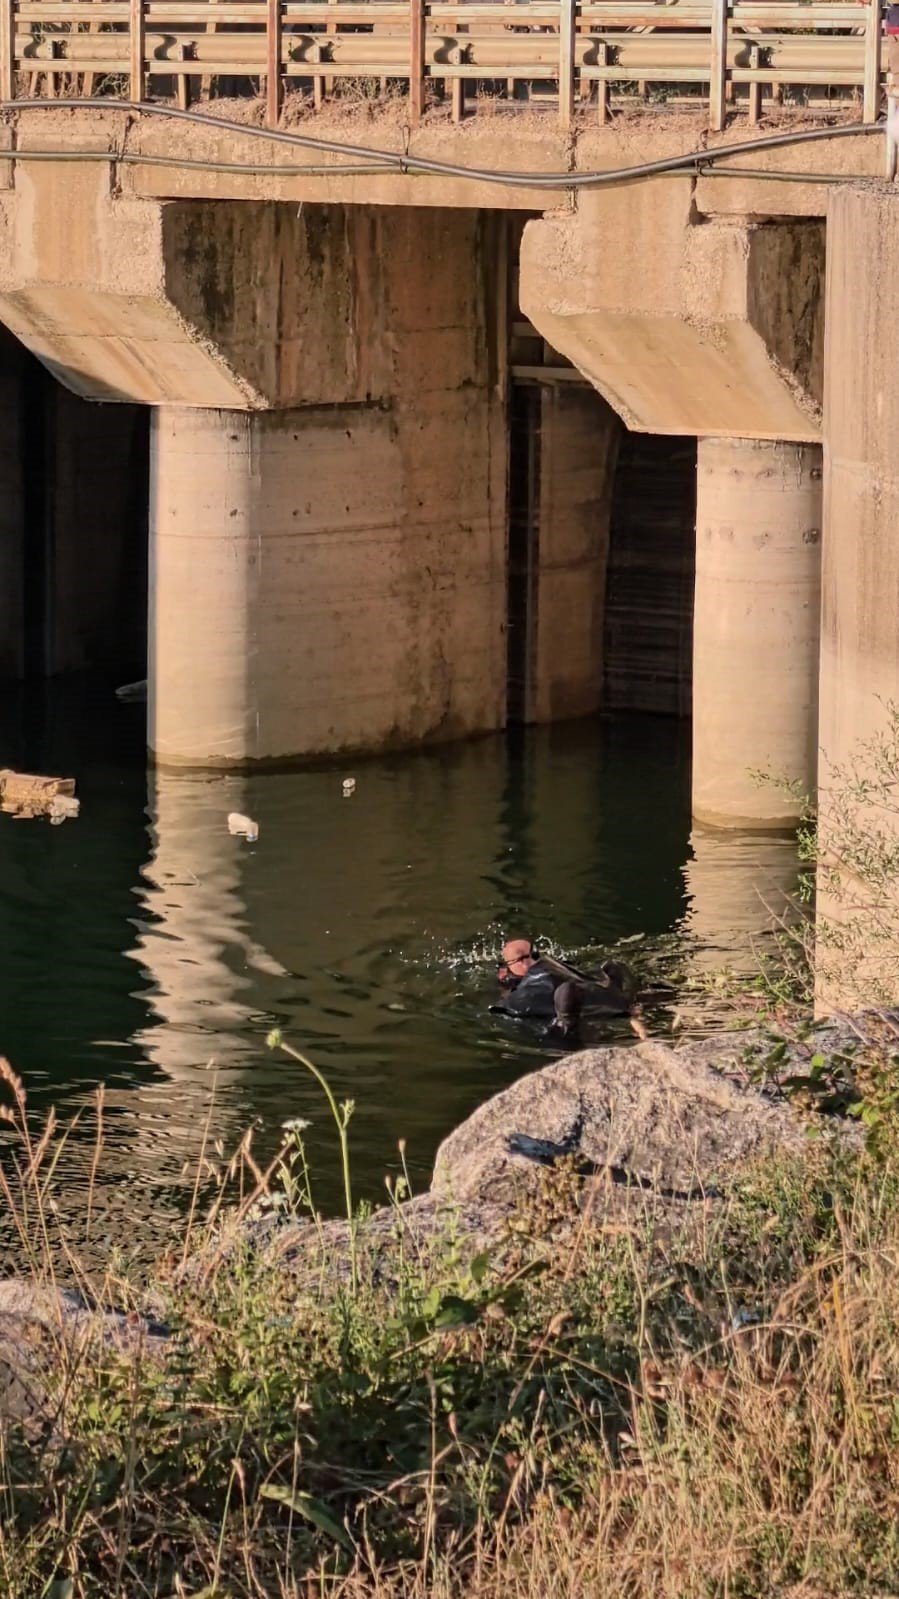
(317, 585)
(578, 448)
(756, 628)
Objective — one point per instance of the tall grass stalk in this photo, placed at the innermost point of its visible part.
(341, 1115)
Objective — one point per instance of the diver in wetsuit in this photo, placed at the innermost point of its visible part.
(545, 988)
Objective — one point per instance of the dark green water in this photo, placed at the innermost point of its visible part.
(146, 949)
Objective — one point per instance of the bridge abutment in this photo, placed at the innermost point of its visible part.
(857, 946)
(756, 629)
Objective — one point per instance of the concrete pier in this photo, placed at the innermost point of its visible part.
(315, 586)
(756, 628)
(564, 554)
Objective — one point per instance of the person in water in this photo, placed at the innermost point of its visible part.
(542, 987)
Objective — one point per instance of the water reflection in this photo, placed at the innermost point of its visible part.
(739, 886)
(192, 937)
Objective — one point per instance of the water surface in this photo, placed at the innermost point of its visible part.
(147, 949)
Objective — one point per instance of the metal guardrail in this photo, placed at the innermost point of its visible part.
(576, 48)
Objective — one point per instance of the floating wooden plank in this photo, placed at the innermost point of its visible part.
(24, 795)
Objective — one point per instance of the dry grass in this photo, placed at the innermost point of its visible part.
(705, 1407)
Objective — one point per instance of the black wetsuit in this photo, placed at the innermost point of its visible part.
(533, 994)
(611, 993)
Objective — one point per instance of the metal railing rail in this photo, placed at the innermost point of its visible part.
(578, 48)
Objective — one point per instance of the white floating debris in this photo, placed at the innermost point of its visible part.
(349, 786)
(243, 826)
(132, 691)
(63, 808)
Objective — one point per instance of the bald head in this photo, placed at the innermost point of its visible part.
(517, 949)
(518, 958)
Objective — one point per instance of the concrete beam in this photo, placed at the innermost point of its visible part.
(538, 146)
(250, 306)
(684, 325)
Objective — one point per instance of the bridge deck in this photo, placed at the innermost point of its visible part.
(575, 52)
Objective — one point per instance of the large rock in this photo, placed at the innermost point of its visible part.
(660, 1126)
(656, 1117)
(44, 1329)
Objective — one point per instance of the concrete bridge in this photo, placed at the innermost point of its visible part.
(393, 349)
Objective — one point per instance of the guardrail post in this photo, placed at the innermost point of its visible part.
(137, 49)
(417, 25)
(567, 30)
(182, 82)
(273, 63)
(457, 87)
(873, 32)
(755, 88)
(602, 87)
(7, 50)
(718, 70)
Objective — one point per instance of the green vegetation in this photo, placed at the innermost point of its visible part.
(838, 945)
(648, 1400)
(701, 1406)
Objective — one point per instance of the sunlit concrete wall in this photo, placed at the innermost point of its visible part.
(685, 324)
(860, 605)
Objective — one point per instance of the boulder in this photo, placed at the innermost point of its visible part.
(647, 1123)
(645, 1115)
(42, 1329)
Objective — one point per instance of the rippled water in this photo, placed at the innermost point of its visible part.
(147, 949)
